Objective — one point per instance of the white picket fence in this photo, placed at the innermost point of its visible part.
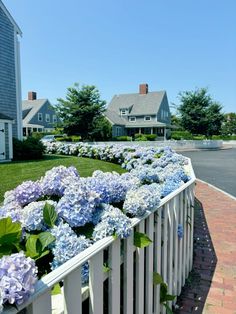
(128, 286)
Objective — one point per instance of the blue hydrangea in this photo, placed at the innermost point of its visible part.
(180, 231)
(78, 204)
(68, 245)
(26, 193)
(138, 201)
(13, 210)
(112, 222)
(32, 215)
(18, 275)
(57, 179)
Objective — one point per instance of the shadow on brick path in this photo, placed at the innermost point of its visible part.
(195, 291)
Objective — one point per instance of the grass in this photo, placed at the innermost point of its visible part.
(14, 173)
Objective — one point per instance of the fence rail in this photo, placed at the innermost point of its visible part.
(128, 285)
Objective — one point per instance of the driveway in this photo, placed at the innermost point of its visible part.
(216, 167)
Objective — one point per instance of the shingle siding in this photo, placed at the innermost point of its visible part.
(8, 102)
(45, 109)
(7, 140)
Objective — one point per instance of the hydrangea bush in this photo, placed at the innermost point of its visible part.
(62, 214)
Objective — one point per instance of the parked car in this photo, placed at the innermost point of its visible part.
(50, 138)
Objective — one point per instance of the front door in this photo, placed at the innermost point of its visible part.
(2, 141)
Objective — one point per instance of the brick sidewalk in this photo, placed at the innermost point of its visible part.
(211, 286)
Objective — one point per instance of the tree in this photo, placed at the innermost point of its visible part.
(199, 113)
(80, 110)
(102, 129)
(229, 124)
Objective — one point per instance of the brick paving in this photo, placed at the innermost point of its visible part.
(211, 286)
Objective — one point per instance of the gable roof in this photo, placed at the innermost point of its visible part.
(30, 108)
(114, 118)
(7, 13)
(139, 104)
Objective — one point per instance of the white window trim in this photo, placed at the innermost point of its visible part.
(47, 117)
(40, 115)
(123, 112)
(145, 118)
(132, 118)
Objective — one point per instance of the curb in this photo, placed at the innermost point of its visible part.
(218, 189)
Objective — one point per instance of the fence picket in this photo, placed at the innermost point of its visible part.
(114, 277)
(96, 283)
(157, 256)
(139, 294)
(42, 304)
(72, 293)
(149, 266)
(175, 245)
(128, 274)
(180, 251)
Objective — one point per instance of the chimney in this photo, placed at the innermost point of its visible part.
(32, 95)
(143, 89)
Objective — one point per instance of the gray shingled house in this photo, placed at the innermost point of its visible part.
(38, 115)
(144, 112)
(10, 83)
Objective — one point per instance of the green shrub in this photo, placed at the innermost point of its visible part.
(224, 137)
(122, 138)
(31, 148)
(151, 137)
(181, 135)
(141, 138)
(199, 137)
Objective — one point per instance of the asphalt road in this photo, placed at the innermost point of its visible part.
(216, 167)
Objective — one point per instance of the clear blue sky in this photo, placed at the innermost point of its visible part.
(117, 44)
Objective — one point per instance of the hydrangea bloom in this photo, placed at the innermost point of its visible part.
(67, 245)
(138, 201)
(57, 179)
(32, 215)
(77, 204)
(18, 275)
(13, 210)
(180, 231)
(24, 193)
(112, 221)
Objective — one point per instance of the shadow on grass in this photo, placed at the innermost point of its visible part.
(197, 285)
(45, 158)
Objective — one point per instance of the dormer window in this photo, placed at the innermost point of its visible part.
(147, 118)
(124, 112)
(132, 119)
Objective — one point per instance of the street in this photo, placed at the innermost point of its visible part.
(216, 167)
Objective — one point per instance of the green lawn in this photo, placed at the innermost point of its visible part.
(14, 173)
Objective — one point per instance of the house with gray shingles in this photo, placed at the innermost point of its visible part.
(38, 115)
(10, 83)
(144, 112)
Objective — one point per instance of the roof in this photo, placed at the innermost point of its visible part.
(145, 124)
(5, 117)
(30, 108)
(114, 118)
(17, 28)
(139, 104)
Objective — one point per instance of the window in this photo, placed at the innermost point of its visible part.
(54, 118)
(147, 118)
(118, 131)
(47, 117)
(132, 119)
(123, 112)
(40, 116)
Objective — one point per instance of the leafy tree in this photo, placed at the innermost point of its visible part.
(102, 129)
(229, 124)
(199, 113)
(175, 121)
(80, 110)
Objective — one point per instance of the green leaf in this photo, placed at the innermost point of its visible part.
(31, 246)
(163, 292)
(106, 268)
(49, 215)
(141, 240)
(168, 309)
(115, 236)
(56, 289)
(170, 297)
(44, 253)
(6, 250)
(157, 279)
(10, 232)
(46, 238)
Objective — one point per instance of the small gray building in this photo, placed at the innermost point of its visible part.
(10, 83)
(38, 115)
(144, 112)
